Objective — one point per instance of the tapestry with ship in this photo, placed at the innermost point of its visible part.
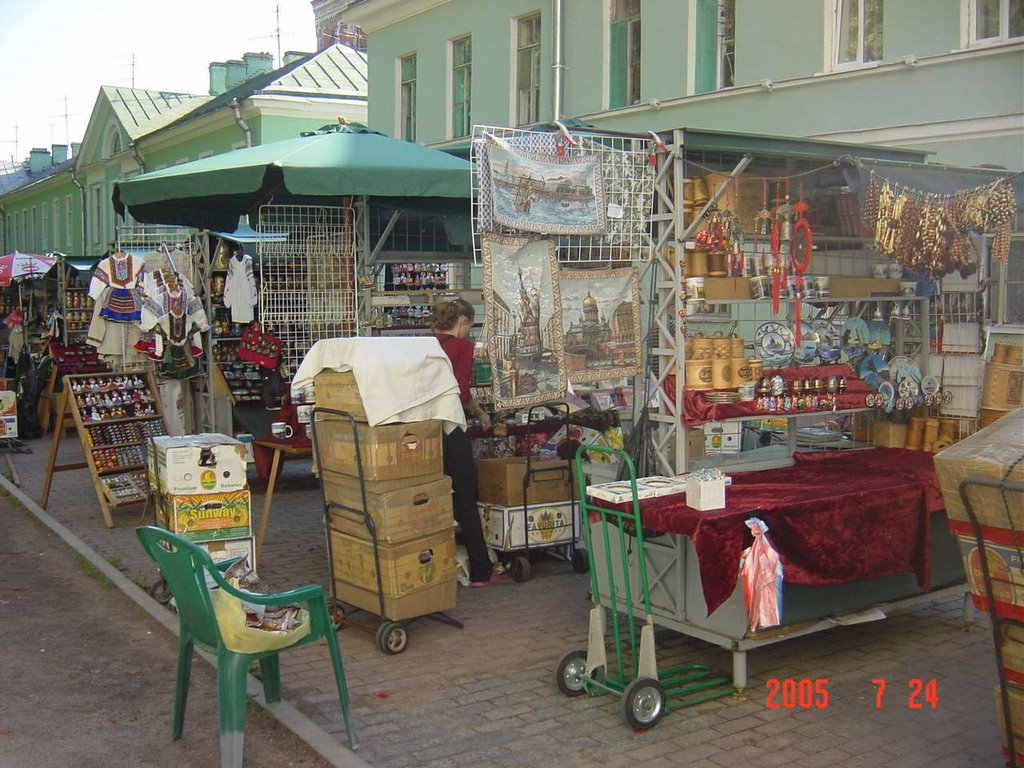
(523, 321)
(600, 323)
(549, 194)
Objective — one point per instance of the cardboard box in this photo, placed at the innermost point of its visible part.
(398, 515)
(501, 481)
(1016, 696)
(705, 495)
(8, 414)
(695, 442)
(1006, 572)
(727, 288)
(204, 463)
(228, 549)
(206, 516)
(545, 524)
(339, 392)
(417, 576)
(388, 451)
(722, 437)
(988, 453)
(1004, 386)
(1013, 653)
(861, 287)
(889, 434)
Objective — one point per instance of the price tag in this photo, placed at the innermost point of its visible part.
(615, 211)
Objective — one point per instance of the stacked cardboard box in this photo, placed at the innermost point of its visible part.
(408, 507)
(200, 485)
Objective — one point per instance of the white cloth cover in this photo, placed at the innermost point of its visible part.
(399, 379)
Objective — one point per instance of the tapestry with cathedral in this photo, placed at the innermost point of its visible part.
(523, 321)
(600, 323)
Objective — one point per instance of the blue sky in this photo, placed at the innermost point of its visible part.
(52, 49)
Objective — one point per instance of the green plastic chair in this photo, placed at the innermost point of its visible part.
(187, 569)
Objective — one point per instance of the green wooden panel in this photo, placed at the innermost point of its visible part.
(618, 57)
(706, 55)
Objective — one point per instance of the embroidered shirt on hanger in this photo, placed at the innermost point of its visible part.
(115, 287)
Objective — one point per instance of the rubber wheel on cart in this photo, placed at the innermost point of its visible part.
(392, 637)
(520, 568)
(580, 563)
(643, 703)
(571, 673)
(160, 592)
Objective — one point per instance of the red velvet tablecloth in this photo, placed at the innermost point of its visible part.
(697, 410)
(833, 517)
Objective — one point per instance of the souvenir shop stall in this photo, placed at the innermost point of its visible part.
(313, 227)
(800, 307)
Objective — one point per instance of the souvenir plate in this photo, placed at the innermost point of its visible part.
(856, 338)
(888, 394)
(810, 343)
(908, 388)
(829, 342)
(773, 343)
(872, 369)
(929, 385)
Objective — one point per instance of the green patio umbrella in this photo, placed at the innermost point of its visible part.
(316, 169)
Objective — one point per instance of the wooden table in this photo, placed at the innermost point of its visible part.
(288, 451)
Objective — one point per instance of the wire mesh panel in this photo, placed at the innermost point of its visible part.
(306, 281)
(627, 173)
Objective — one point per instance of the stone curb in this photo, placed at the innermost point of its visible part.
(319, 740)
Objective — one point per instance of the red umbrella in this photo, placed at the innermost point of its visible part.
(24, 266)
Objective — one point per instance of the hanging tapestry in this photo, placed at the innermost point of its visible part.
(600, 323)
(483, 209)
(523, 319)
(544, 193)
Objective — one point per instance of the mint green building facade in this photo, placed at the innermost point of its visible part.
(946, 76)
(58, 204)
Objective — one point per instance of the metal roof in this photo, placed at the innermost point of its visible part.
(141, 111)
(337, 68)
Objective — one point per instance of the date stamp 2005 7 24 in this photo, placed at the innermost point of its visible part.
(807, 693)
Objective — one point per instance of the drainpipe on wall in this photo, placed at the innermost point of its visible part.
(85, 209)
(237, 109)
(138, 158)
(556, 61)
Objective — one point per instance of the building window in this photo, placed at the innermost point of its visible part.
(33, 243)
(407, 81)
(1008, 285)
(528, 70)
(462, 86)
(44, 231)
(96, 223)
(625, 53)
(858, 31)
(68, 223)
(995, 20)
(715, 55)
(55, 223)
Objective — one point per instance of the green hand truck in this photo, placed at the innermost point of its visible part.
(633, 674)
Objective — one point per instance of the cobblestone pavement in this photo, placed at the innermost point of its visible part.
(484, 695)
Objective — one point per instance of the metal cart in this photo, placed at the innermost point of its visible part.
(998, 621)
(633, 674)
(515, 554)
(392, 637)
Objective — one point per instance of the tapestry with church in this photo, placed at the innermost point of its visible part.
(600, 323)
(523, 321)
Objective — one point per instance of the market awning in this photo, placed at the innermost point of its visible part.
(82, 263)
(320, 169)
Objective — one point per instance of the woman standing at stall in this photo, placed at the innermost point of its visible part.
(452, 321)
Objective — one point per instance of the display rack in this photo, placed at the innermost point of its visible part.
(114, 415)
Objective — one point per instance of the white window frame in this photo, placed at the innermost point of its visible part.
(34, 223)
(539, 45)
(68, 223)
(720, 57)
(833, 35)
(55, 224)
(44, 228)
(450, 96)
(969, 25)
(96, 214)
(399, 82)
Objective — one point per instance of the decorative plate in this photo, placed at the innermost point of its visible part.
(810, 343)
(829, 346)
(880, 333)
(908, 388)
(888, 394)
(773, 343)
(856, 338)
(871, 369)
(929, 385)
